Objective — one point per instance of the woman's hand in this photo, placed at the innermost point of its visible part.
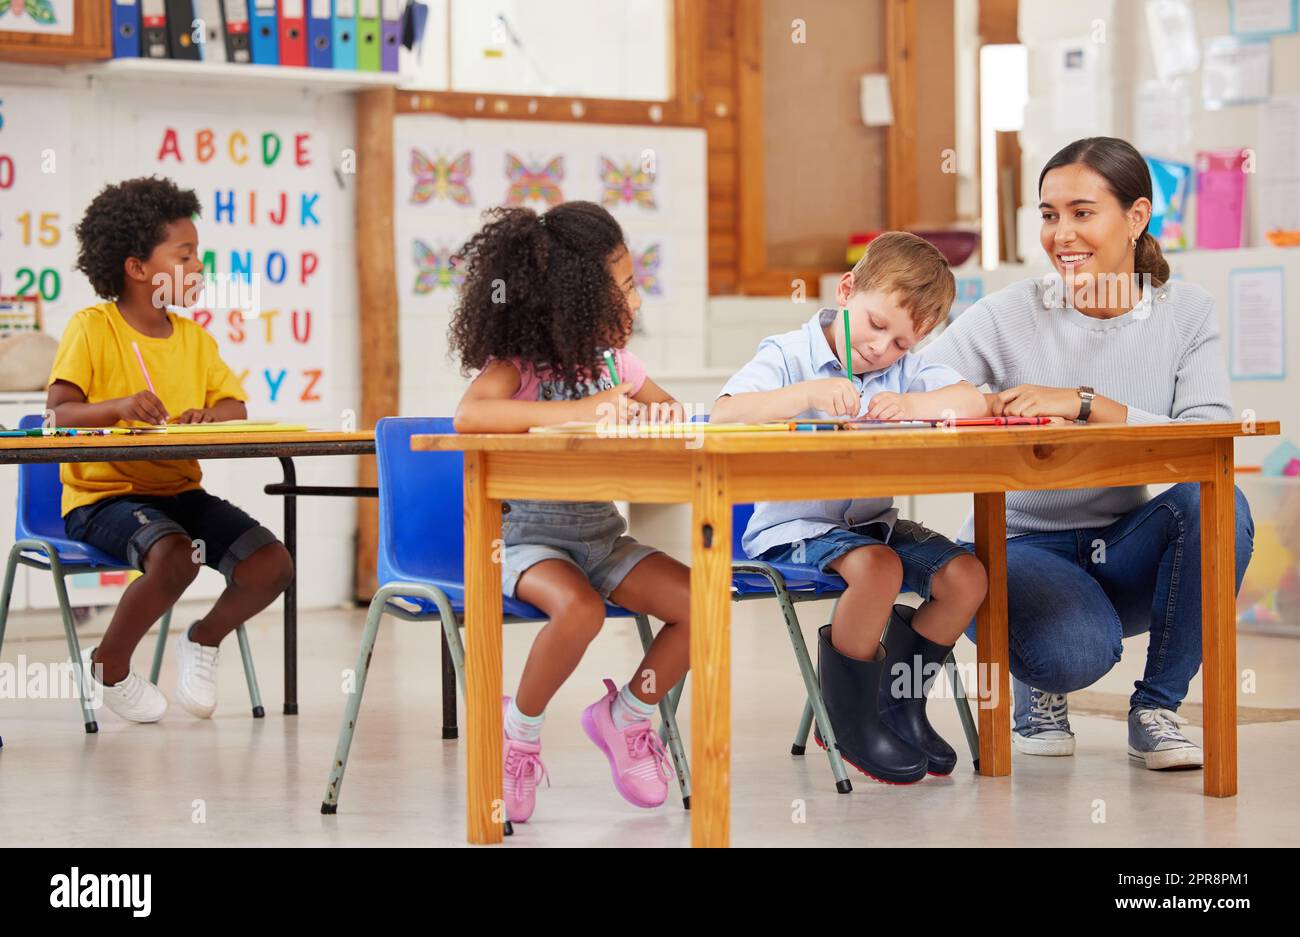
(1036, 400)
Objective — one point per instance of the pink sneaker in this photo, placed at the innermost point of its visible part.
(523, 770)
(637, 759)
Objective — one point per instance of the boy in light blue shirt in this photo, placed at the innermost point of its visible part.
(896, 294)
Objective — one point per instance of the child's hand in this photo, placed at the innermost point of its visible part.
(142, 407)
(888, 405)
(615, 405)
(834, 395)
(196, 415)
(665, 412)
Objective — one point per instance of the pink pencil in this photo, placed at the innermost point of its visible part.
(145, 371)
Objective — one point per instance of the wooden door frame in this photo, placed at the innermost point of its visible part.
(756, 275)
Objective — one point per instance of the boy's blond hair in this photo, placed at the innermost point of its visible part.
(899, 262)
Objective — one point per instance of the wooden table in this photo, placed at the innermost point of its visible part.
(159, 447)
(713, 471)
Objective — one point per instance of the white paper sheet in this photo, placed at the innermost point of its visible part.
(1263, 17)
(1076, 94)
(1277, 165)
(1162, 118)
(1236, 71)
(1258, 327)
(1171, 26)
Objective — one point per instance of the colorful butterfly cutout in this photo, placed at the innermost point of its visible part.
(40, 10)
(440, 179)
(436, 269)
(533, 182)
(645, 270)
(626, 184)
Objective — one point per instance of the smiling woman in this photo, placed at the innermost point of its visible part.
(1107, 339)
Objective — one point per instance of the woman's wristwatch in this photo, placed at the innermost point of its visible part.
(1085, 408)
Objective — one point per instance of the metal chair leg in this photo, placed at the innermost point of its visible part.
(11, 566)
(801, 734)
(160, 647)
(963, 710)
(250, 675)
(668, 712)
(84, 687)
(353, 707)
(450, 729)
(811, 685)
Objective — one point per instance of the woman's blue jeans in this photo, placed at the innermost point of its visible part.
(1073, 595)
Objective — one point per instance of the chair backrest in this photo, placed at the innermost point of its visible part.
(40, 495)
(740, 515)
(421, 504)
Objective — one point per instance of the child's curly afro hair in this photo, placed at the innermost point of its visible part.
(539, 288)
(128, 219)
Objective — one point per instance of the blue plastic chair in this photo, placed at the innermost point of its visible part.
(791, 583)
(41, 542)
(422, 567)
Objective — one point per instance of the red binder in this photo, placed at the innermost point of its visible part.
(293, 32)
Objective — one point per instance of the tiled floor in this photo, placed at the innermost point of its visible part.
(261, 782)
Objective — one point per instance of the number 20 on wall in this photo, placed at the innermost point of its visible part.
(46, 233)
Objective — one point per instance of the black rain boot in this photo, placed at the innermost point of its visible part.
(909, 657)
(851, 691)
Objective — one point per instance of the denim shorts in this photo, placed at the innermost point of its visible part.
(127, 527)
(590, 535)
(922, 551)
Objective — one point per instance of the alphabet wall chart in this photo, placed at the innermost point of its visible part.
(268, 194)
(449, 171)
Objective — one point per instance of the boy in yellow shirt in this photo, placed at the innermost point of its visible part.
(138, 247)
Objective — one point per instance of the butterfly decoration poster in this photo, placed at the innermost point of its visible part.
(51, 17)
(651, 179)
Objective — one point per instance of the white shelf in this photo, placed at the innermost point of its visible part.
(226, 74)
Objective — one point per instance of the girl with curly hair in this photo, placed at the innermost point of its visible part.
(548, 300)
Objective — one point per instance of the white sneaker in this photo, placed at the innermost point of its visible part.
(134, 699)
(196, 681)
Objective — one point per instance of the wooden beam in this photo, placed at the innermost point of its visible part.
(900, 65)
(751, 239)
(377, 297)
(575, 110)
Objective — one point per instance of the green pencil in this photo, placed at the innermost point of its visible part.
(613, 371)
(848, 350)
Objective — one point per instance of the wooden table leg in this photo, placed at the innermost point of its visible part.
(1219, 625)
(484, 795)
(710, 653)
(992, 649)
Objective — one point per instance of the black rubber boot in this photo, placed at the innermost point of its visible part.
(851, 691)
(910, 658)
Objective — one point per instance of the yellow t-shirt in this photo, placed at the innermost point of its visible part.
(95, 354)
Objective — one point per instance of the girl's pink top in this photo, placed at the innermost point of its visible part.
(535, 385)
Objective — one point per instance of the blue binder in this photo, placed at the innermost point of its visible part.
(266, 38)
(126, 29)
(320, 33)
(345, 34)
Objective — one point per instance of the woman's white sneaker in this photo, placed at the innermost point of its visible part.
(134, 699)
(196, 681)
